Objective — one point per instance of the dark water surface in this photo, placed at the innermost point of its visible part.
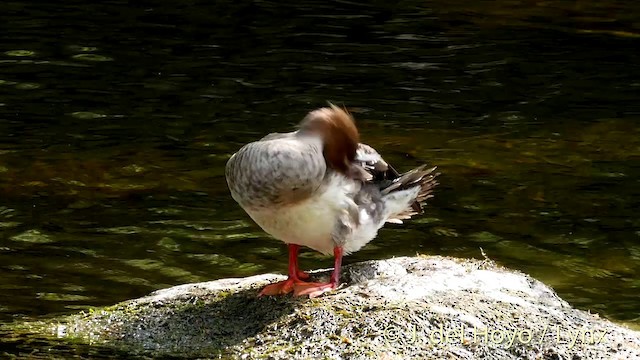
(116, 121)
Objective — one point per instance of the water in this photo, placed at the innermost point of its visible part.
(116, 121)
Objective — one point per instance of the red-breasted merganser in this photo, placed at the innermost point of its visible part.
(321, 188)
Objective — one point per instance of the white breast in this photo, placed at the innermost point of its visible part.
(308, 223)
(311, 222)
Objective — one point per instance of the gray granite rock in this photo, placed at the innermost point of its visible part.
(419, 307)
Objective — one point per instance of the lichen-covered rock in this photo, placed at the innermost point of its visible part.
(422, 307)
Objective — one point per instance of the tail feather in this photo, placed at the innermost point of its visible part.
(414, 187)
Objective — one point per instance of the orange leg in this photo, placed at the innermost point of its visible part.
(317, 289)
(295, 275)
(295, 282)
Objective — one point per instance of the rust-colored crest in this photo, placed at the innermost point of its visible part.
(339, 132)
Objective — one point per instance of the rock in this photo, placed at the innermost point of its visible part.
(420, 307)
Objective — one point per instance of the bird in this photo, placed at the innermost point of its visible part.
(320, 188)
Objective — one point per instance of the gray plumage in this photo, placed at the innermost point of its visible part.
(285, 183)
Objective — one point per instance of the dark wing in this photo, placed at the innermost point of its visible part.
(372, 167)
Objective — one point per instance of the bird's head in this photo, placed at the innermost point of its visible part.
(338, 132)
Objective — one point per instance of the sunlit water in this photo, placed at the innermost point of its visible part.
(116, 121)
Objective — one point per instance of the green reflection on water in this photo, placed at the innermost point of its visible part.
(91, 57)
(19, 53)
(32, 236)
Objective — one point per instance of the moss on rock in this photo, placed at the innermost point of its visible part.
(420, 307)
